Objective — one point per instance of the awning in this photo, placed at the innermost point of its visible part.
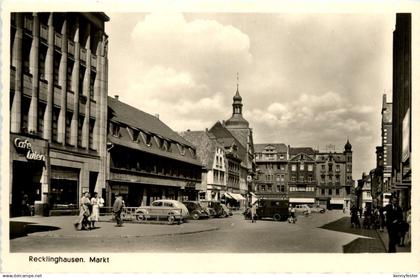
(302, 200)
(337, 201)
(237, 197)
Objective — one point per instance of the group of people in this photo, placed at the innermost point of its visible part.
(89, 211)
(391, 216)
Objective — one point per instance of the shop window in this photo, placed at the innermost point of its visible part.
(64, 193)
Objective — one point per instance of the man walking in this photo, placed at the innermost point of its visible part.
(394, 217)
(117, 209)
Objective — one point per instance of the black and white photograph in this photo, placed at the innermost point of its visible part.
(207, 132)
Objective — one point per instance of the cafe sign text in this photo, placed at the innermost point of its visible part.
(25, 145)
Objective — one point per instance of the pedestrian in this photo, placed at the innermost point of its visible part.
(84, 213)
(382, 219)
(254, 212)
(354, 217)
(367, 221)
(117, 209)
(394, 217)
(292, 213)
(94, 217)
(25, 205)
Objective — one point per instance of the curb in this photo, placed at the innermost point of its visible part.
(48, 235)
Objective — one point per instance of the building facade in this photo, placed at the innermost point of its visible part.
(271, 180)
(213, 157)
(147, 160)
(401, 110)
(334, 175)
(386, 139)
(302, 178)
(58, 103)
(363, 192)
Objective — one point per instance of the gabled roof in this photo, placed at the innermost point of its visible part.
(205, 144)
(301, 156)
(259, 148)
(226, 138)
(304, 150)
(123, 113)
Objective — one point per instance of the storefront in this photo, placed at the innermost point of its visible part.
(336, 203)
(302, 200)
(28, 172)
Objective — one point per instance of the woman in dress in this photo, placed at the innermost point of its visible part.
(94, 217)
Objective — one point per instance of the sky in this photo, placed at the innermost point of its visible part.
(305, 79)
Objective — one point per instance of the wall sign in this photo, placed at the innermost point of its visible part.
(25, 145)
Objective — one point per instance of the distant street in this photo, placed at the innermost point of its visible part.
(233, 234)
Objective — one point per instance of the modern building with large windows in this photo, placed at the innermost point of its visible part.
(58, 103)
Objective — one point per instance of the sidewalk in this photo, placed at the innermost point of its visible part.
(62, 227)
(384, 237)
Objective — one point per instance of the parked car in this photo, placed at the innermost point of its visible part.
(216, 206)
(170, 210)
(305, 209)
(227, 210)
(317, 209)
(196, 210)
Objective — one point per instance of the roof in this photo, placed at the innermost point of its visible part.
(305, 150)
(259, 148)
(123, 113)
(205, 145)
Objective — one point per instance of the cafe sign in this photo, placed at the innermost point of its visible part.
(25, 145)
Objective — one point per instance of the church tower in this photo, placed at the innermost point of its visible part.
(237, 121)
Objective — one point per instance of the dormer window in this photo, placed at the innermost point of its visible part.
(115, 129)
(148, 139)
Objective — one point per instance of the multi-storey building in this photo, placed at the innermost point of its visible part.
(212, 156)
(239, 128)
(334, 177)
(235, 154)
(363, 192)
(271, 180)
(386, 139)
(147, 160)
(401, 110)
(302, 178)
(58, 105)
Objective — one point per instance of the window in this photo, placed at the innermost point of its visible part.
(56, 65)
(262, 187)
(323, 167)
(294, 167)
(278, 188)
(293, 178)
(282, 167)
(301, 178)
(79, 130)
(330, 167)
(115, 130)
(92, 84)
(282, 156)
(283, 188)
(26, 102)
(41, 112)
(310, 178)
(337, 191)
(322, 178)
(310, 167)
(282, 178)
(91, 127)
(70, 64)
(69, 116)
(337, 168)
(329, 191)
(55, 115)
(323, 191)
(269, 188)
(302, 167)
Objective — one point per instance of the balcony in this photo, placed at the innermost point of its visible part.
(58, 40)
(70, 47)
(43, 32)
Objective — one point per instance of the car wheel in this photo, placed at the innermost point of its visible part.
(171, 219)
(140, 217)
(195, 215)
(277, 217)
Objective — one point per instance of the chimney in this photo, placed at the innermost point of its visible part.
(157, 116)
(116, 97)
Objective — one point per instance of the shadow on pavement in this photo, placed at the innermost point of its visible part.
(372, 244)
(21, 229)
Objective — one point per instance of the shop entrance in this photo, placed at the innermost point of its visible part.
(26, 187)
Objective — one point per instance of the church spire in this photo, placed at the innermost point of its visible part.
(237, 121)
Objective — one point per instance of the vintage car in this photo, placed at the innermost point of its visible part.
(216, 206)
(196, 210)
(317, 208)
(170, 210)
(227, 210)
(302, 208)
